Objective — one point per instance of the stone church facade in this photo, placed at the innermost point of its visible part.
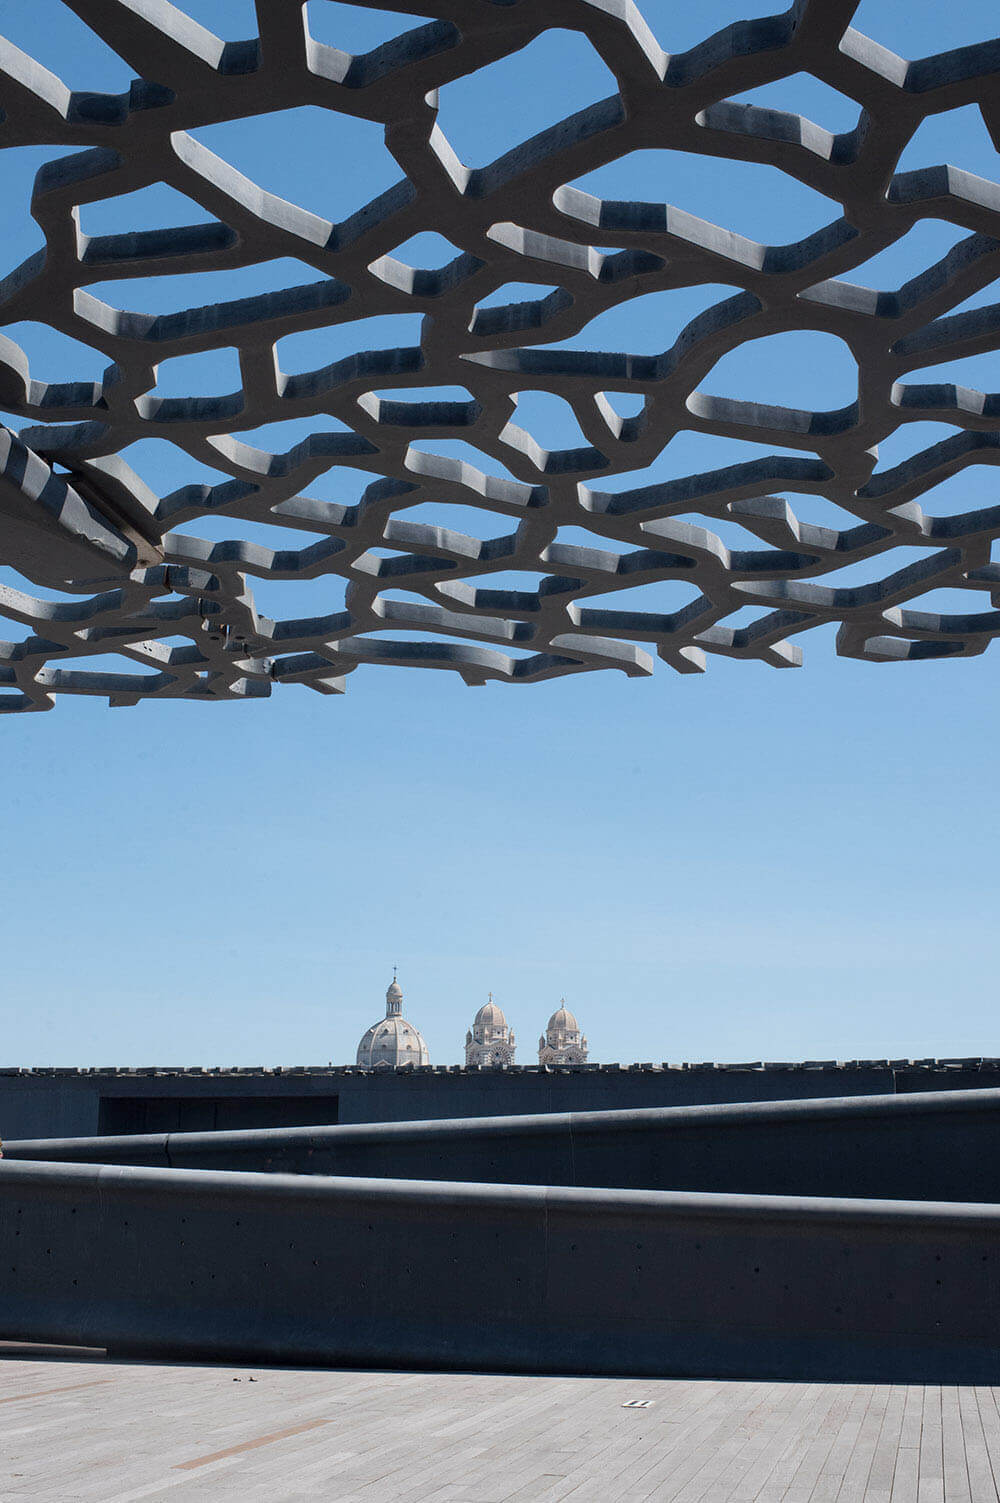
(489, 1041)
(562, 1043)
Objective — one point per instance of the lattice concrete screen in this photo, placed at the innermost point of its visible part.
(76, 520)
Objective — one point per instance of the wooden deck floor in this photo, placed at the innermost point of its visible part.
(119, 1432)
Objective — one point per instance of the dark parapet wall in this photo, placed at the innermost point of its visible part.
(53, 1103)
(292, 1268)
(821, 1239)
(940, 1145)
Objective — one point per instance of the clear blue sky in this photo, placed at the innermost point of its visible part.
(743, 864)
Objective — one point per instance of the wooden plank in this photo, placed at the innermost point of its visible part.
(930, 1487)
(955, 1467)
(886, 1453)
(982, 1483)
(906, 1478)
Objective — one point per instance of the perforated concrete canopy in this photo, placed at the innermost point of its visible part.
(181, 612)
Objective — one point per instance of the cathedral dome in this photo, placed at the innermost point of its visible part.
(490, 1016)
(563, 1019)
(392, 1040)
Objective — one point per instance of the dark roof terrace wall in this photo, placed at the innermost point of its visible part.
(66, 1102)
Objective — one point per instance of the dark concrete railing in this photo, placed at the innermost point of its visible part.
(299, 1268)
(930, 1146)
